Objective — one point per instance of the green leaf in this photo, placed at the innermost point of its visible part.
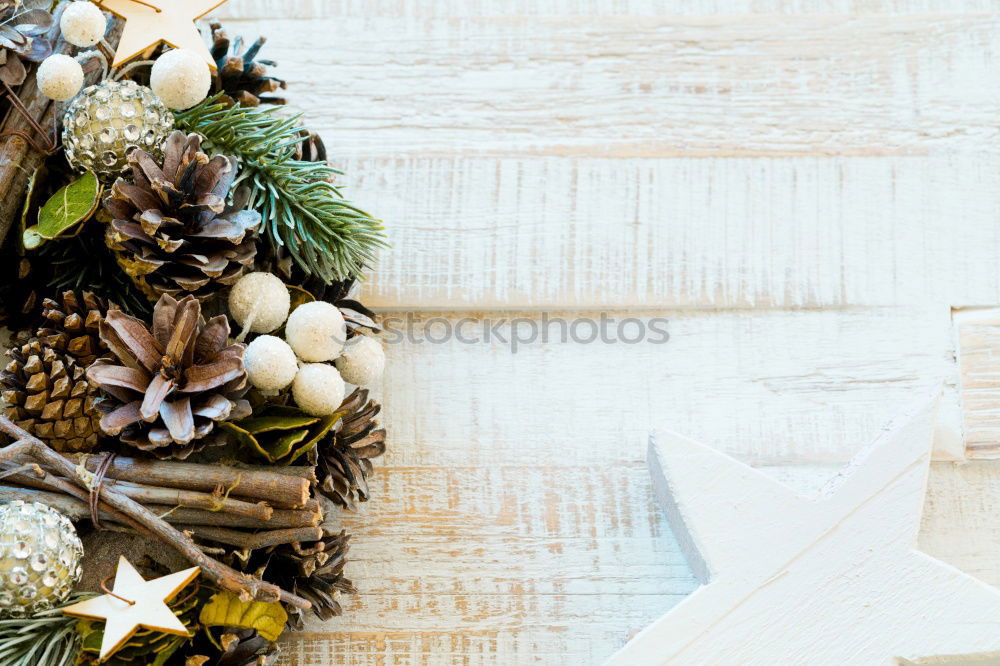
(225, 609)
(282, 434)
(258, 424)
(72, 204)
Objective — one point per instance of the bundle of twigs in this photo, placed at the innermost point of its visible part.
(262, 507)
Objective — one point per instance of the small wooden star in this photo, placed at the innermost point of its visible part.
(151, 22)
(148, 607)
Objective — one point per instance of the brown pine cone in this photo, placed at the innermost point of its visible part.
(343, 459)
(170, 383)
(312, 570)
(171, 229)
(72, 323)
(242, 76)
(48, 394)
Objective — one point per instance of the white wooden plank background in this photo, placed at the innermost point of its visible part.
(808, 190)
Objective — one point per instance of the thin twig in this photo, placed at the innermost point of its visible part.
(28, 447)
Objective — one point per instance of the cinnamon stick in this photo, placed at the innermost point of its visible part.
(177, 513)
(282, 490)
(248, 541)
(28, 448)
(168, 496)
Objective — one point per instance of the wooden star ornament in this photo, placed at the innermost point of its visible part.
(831, 580)
(136, 603)
(149, 23)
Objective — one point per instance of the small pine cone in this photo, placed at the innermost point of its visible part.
(47, 393)
(313, 570)
(169, 383)
(343, 459)
(174, 228)
(72, 325)
(241, 75)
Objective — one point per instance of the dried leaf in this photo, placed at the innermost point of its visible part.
(72, 204)
(282, 435)
(225, 609)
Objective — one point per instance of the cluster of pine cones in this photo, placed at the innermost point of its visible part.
(87, 368)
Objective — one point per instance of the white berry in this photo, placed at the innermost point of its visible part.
(316, 331)
(181, 78)
(318, 389)
(82, 24)
(59, 77)
(260, 302)
(270, 363)
(362, 362)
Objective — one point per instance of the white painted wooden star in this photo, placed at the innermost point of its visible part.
(833, 580)
(150, 23)
(148, 608)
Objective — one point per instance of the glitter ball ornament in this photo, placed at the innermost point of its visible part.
(318, 389)
(59, 77)
(362, 362)
(109, 120)
(270, 363)
(82, 24)
(316, 331)
(180, 78)
(40, 558)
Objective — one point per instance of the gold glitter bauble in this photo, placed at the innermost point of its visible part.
(107, 121)
(41, 558)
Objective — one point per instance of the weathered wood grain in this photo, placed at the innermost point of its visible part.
(642, 86)
(324, 9)
(481, 233)
(754, 170)
(766, 386)
(439, 599)
(978, 333)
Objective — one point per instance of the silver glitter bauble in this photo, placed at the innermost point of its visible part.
(107, 121)
(41, 558)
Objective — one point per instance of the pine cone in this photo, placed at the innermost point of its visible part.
(175, 381)
(312, 570)
(241, 76)
(239, 647)
(343, 459)
(172, 230)
(311, 148)
(48, 394)
(71, 325)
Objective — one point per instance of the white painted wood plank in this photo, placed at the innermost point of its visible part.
(478, 233)
(418, 573)
(319, 9)
(772, 386)
(642, 86)
(978, 333)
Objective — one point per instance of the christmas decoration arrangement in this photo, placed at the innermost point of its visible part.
(187, 362)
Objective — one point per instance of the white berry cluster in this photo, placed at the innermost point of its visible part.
(181, 78)
(315, 335)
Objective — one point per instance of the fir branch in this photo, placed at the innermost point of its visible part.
(301, 208)
(45, 639)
